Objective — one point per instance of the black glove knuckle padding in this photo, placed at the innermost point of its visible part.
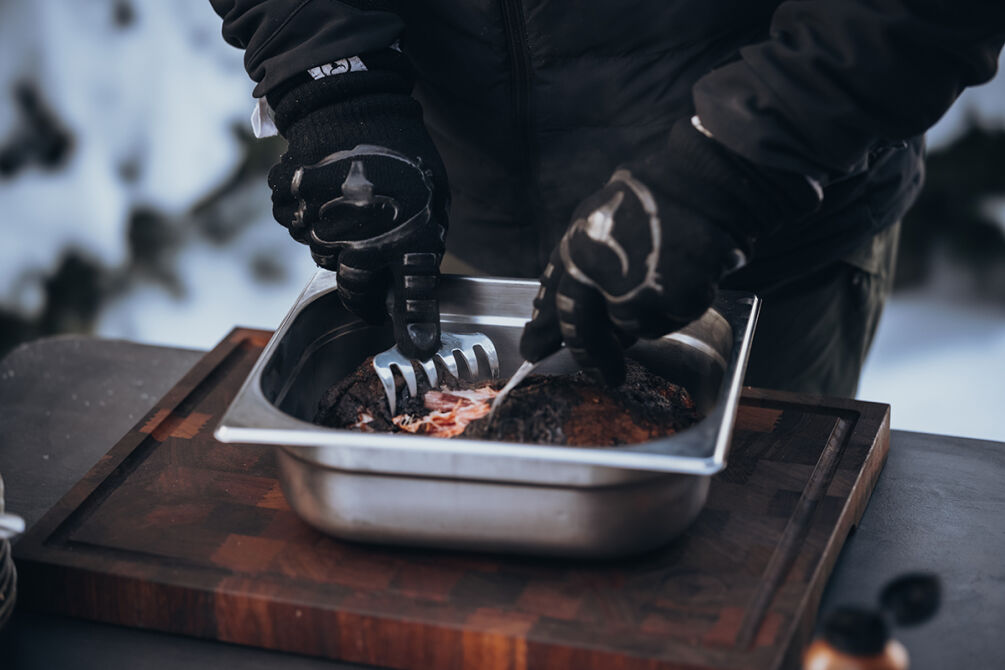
(365, 300)
(321, 118)
(641, 283)
(331, 219)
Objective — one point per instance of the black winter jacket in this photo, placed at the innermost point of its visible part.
(533, 103)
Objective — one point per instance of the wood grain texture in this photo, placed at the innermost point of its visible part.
(174, 531)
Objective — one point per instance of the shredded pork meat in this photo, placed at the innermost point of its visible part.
(450, 411)
(363, 421)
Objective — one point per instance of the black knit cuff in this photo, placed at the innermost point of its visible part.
(387, 71)
(291, 104)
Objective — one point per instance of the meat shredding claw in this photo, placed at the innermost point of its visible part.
(454, 347)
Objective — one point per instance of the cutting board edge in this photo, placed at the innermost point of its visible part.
(790, 658)
(34, 549)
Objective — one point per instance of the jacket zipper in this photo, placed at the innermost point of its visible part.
(516, 40)
(515, 29)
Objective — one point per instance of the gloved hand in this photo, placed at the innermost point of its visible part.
(378, 169)
(644, 255)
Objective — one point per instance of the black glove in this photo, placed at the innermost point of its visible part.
(359, 165)
(645, 254)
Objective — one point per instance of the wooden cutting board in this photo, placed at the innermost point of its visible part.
(176, 532)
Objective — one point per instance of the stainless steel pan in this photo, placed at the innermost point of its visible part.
(417, 490)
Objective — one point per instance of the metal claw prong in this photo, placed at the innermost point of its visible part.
(453, 346)
(448, 361)
(429, 367)
(491, 356)
(408, 374)
(468, 355)
(386, 377)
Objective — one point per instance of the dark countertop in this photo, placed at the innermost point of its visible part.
(938, 506)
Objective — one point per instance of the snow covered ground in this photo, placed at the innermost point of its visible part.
(155, 93)
(940, 363)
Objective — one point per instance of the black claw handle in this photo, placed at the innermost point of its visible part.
(415, 309)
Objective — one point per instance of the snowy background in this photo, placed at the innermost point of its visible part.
(133, 204)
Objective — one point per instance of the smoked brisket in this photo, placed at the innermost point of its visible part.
(574, 410)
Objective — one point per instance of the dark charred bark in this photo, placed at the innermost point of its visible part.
(573, 410)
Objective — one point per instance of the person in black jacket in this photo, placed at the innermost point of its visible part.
(635, 155)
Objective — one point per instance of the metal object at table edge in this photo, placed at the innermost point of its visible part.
(485, 495)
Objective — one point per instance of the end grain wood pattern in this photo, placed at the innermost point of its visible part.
(176, 532)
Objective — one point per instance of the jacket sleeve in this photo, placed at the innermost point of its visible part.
(282, 38)
(836, 78)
